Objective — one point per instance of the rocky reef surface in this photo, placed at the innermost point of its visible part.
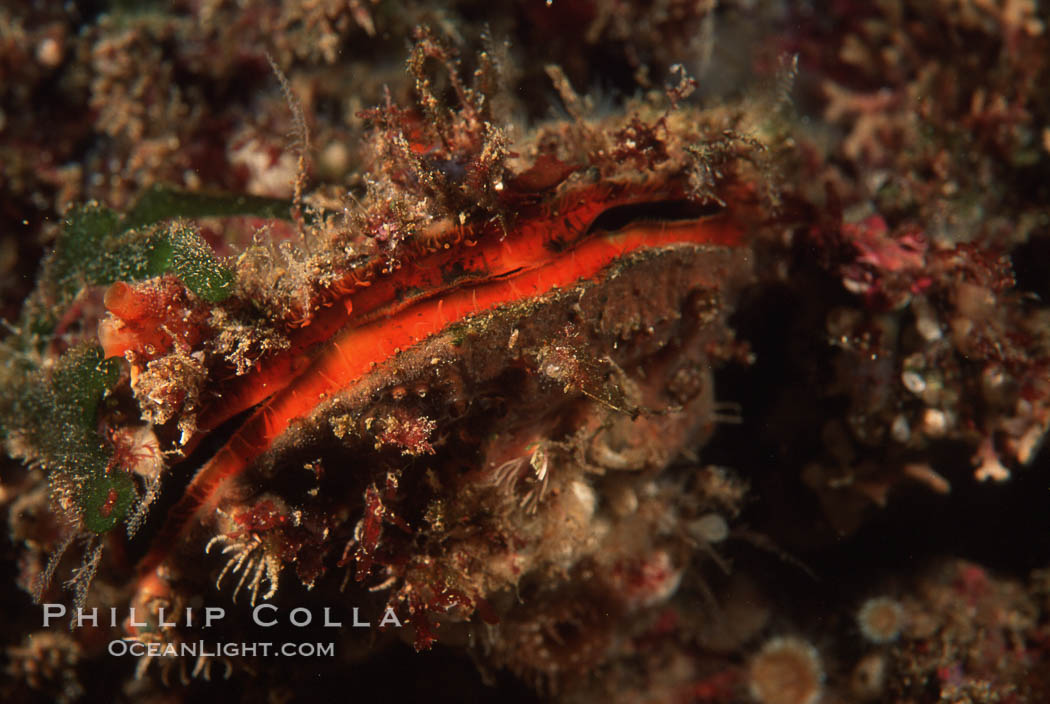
(548, 351)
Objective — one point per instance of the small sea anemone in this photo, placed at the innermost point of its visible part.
(880, 619)
(786, 670)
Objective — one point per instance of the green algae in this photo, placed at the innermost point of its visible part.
(51, 414)
(56, 414)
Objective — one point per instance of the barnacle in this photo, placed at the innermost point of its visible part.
(537, 461)
(881, 619)
(786, 670)
(167, 662)
(250, 556)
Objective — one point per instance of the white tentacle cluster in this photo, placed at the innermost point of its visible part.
(250, 556)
